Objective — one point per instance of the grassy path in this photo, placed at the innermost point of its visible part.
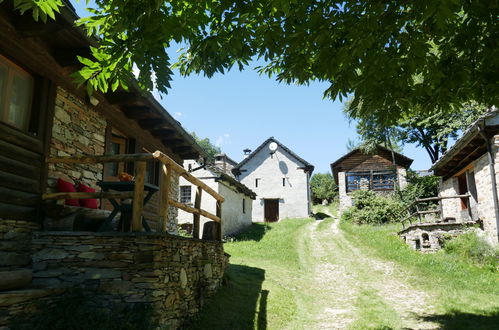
(307, 274)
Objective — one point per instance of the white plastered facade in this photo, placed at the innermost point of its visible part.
(270, 170)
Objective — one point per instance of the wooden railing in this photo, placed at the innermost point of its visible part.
(420, 213)
(168, 167)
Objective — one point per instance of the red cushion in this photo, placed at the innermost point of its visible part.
(64, 186)
(91, 203)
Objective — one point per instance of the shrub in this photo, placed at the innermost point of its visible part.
(323, 187)
(372, 208)
(419, 187)
(472, 247)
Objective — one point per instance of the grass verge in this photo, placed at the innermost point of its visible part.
(461, 287)
(259, 292)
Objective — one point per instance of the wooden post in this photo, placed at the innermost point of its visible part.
(419, 214)
(166, 179)
(138, 195)
(441, 207)
(218, 226)
(196, 216)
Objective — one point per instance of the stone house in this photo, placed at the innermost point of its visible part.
(281, 180)
(43, 114)
(469, 169)
(238, 202)
(381, 171)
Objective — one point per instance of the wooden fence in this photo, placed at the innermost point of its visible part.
(420, 213)
(168, 166)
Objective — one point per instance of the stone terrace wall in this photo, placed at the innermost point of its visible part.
(172, 274)
(15, 243)
(77, 129)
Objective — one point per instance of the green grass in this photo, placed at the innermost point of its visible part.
(466, 292)
(373, 312)
(259, 293)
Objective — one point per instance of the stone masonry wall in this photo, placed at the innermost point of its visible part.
(451, 207)
(77, 129)
(15, 243)
(172, 274)
(485, 203)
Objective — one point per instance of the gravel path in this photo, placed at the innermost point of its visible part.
(342, 272)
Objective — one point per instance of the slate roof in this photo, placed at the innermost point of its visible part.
(470, 139)
(224, 177)
(307, 166)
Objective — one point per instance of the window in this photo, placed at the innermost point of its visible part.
(117, 147)
(16, 94)
(185, 194)
(284, 182)
(256, 183)
(152, 171)
(244, 205)
(377, 181)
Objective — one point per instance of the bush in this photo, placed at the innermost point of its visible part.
(323, 187)
(372, 208)
(471, 247)
(419, 187)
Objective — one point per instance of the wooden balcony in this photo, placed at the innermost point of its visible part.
(168, 166)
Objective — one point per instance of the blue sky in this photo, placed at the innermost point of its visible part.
(240, 110)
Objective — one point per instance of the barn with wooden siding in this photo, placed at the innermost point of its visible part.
(382, 171)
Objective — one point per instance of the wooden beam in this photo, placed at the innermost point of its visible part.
(190, 155)
(196, 217)
(163, 133)
(166, 180)
(175, 142)
(181, 149)
(123, 98)
(67, 57)
(138, 196)
(191, 209)
(26, 26)
(87, 195)
(95, 159)
(154, 123)
(218, 226)
(189, 177)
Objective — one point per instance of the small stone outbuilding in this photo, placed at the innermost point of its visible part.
(382, 171)
(469, 168)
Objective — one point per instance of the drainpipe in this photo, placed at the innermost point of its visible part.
(492, 174)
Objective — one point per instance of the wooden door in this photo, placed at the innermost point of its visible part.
(271, 212)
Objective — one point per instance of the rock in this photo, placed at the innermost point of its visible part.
(91, 255)
(15, 279)
(50, 254)
(208, 272)
(100, 273)
(14, 259)
(183, 278)
(115, 286)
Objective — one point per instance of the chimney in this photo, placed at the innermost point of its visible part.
(246, 152)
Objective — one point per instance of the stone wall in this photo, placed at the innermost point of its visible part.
(451, 207)
(77, 129)
(15, 243)
(429, 237)
(485, 202)
(345, 199)
(172, 274)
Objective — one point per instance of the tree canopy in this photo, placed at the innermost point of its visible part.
(323, 187)
(432, 130)
(207, 146)
(398, 57)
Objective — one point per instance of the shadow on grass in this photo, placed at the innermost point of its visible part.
(239, 304)
(460, 320)
(320, 216)
(254, 233)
